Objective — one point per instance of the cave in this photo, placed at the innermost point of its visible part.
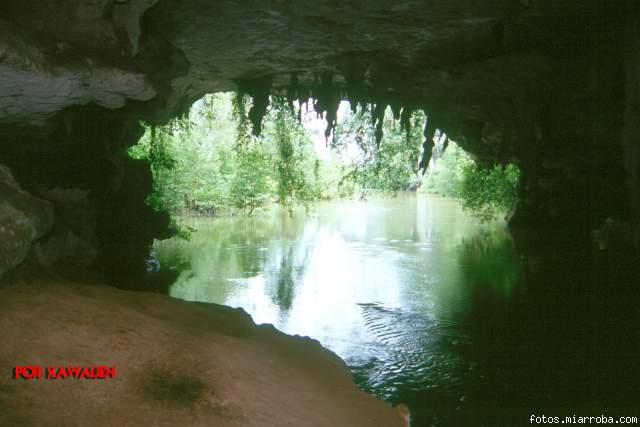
(551, 86)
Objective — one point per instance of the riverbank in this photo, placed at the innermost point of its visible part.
(176, 363)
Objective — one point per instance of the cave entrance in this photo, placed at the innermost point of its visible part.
(336, 234)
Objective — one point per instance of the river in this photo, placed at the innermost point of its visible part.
(392, 285)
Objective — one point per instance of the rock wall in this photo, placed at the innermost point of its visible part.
(23, 220)
(570, 150)
(550, 85)
(631, 129)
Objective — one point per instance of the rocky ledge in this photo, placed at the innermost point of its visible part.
(176, 363)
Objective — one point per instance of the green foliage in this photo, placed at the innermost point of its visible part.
(192, 158)
(389, 166)
(447, 174)
(295, 158)
(485, 191)
(208, 161)
(250, 187)
(488, 192)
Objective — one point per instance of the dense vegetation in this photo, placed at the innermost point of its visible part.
(485, 191)
(209, 161)
(389, 165)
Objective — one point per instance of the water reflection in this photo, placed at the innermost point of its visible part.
(392, 286)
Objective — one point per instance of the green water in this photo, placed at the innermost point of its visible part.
(392, 286)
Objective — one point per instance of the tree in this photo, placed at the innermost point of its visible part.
(250, 187)
(387, 165)
(486, 192)
(447, 174)
(490, 191)
(208, 161)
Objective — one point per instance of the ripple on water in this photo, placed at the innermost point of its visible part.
(409, 351)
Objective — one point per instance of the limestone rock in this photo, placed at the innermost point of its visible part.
(23, 220)
(177, 364)
(72, 240)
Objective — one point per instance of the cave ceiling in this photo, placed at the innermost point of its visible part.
(463, 61)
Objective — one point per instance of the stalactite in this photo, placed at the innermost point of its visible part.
(396, 108)
(259, 89)
(377, 117)
(294, 94)
(327, 102)
(405, 120)
(325, 96)
(426, 148)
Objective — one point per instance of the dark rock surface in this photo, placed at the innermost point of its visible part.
(23, 220)
(551, 85)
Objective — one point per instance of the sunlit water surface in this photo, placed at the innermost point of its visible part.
(390, 285)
